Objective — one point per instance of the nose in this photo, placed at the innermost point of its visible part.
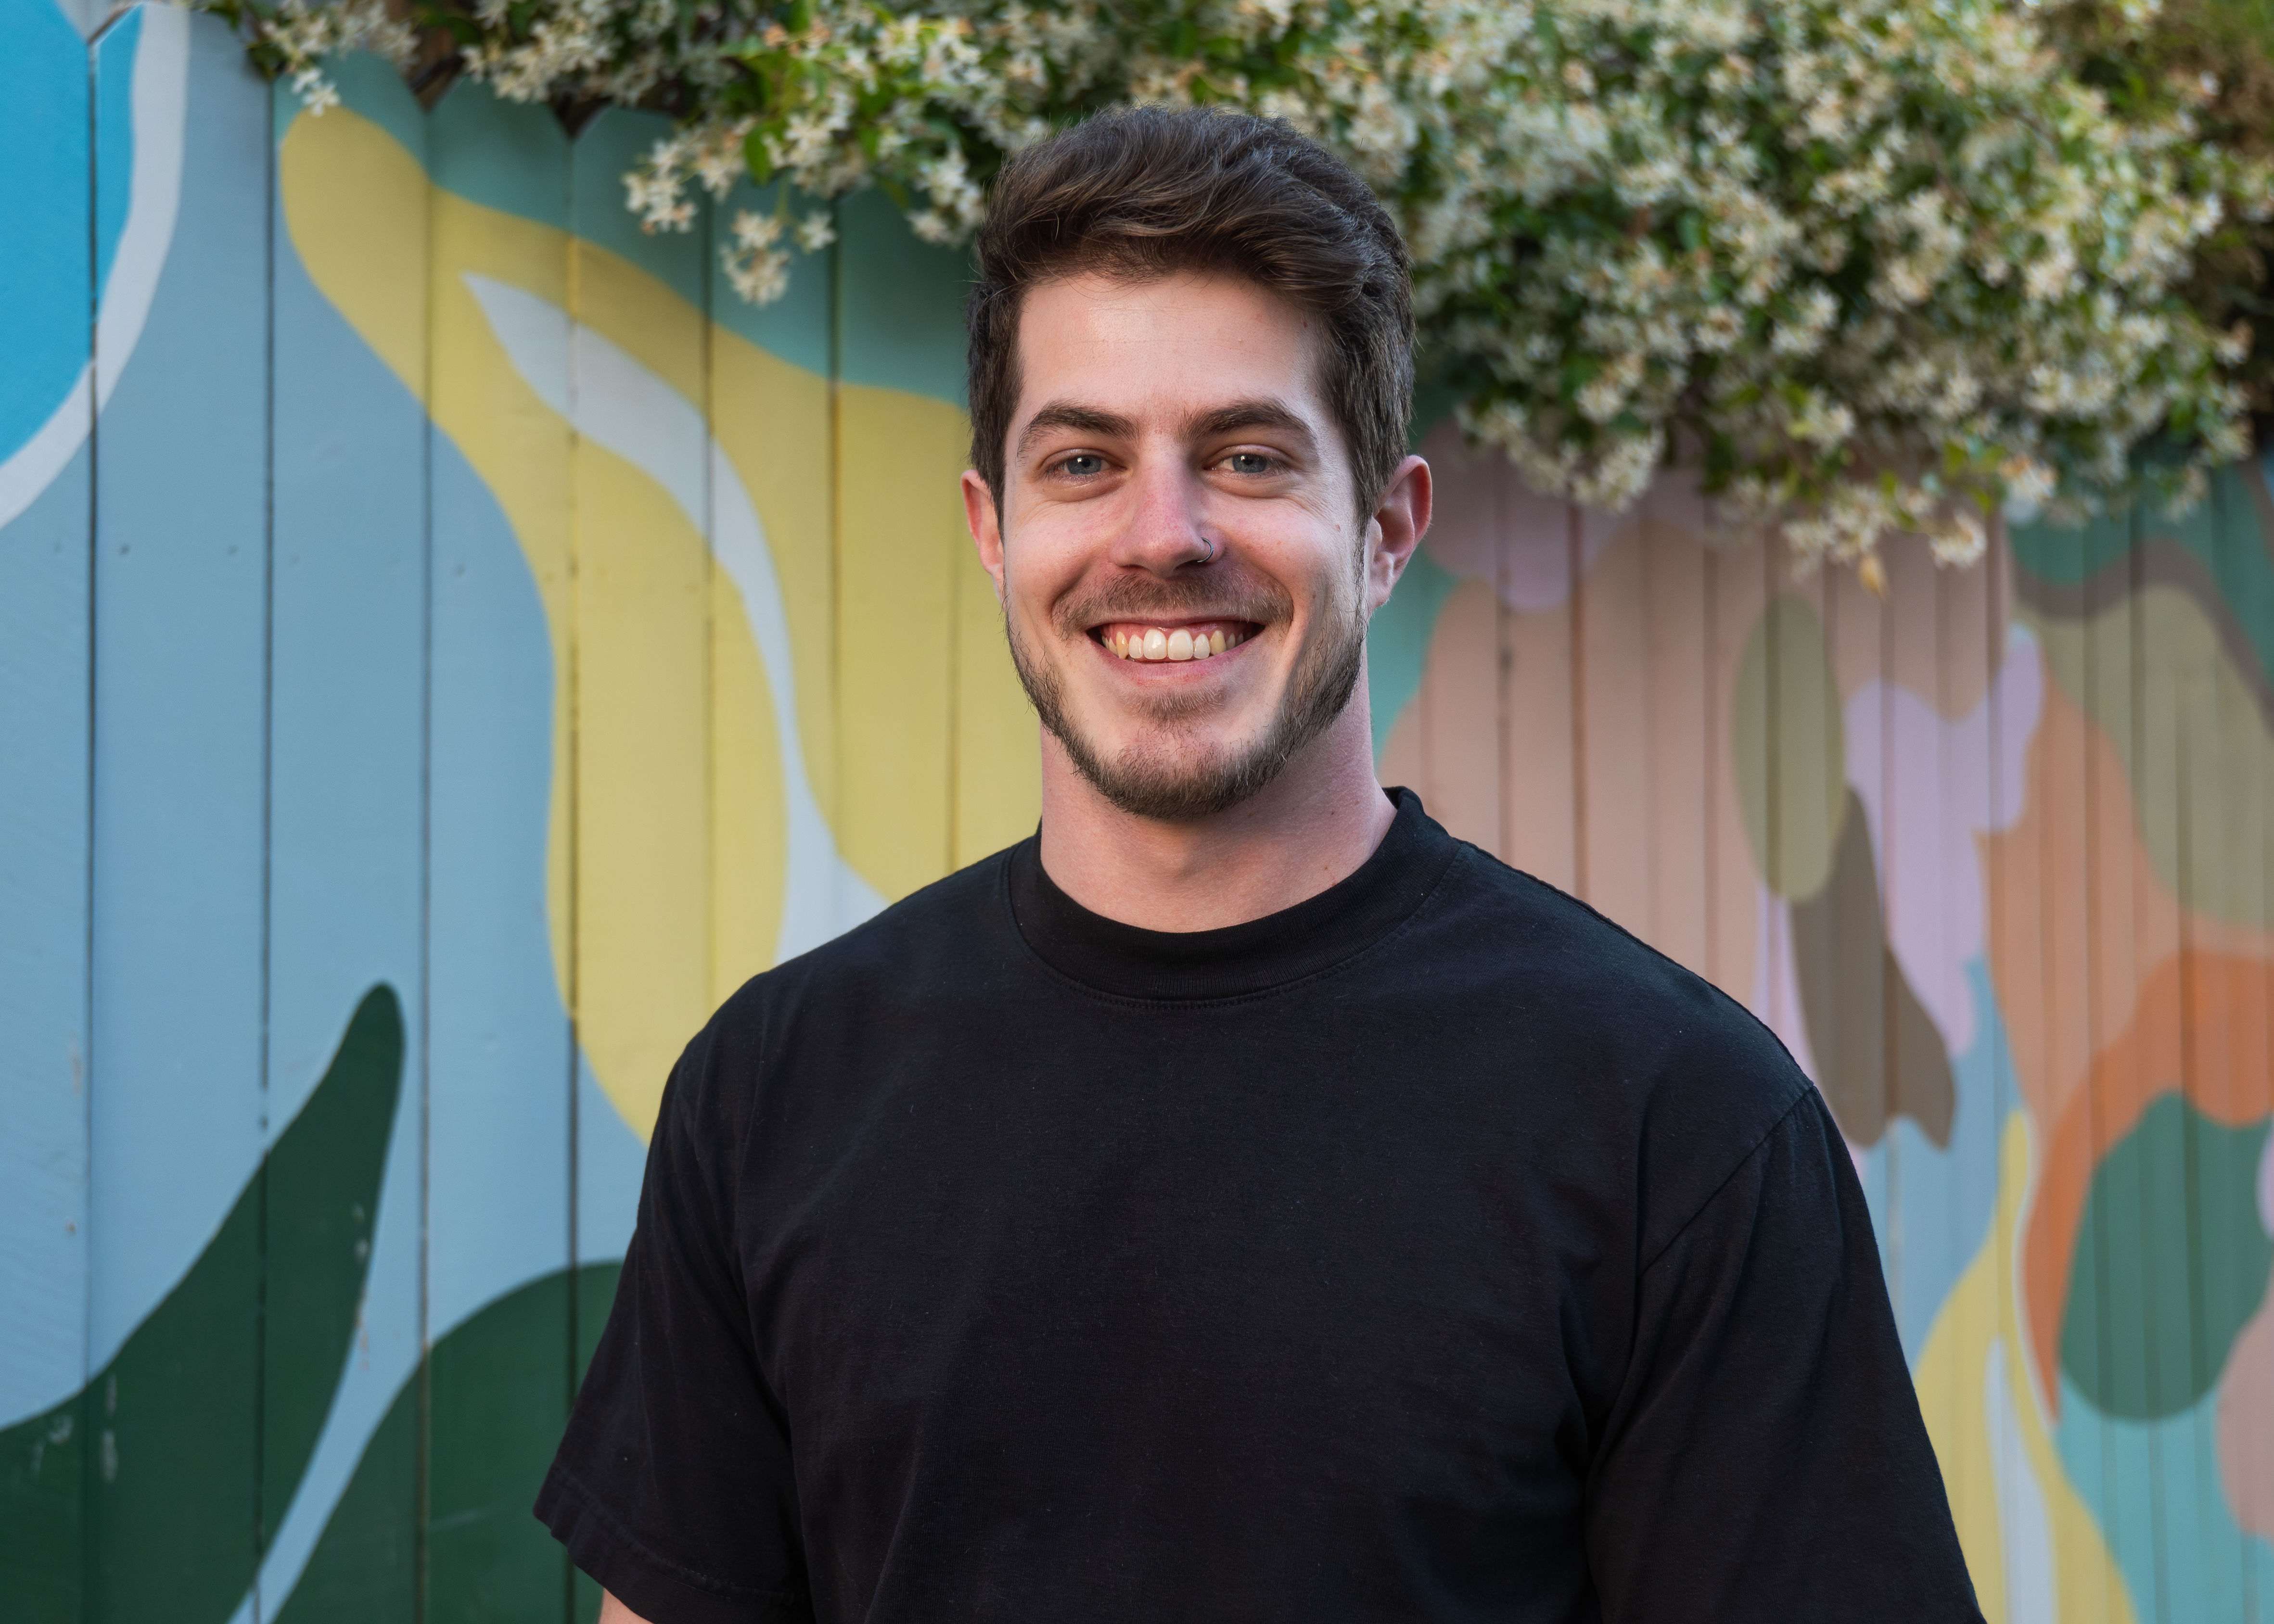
(1165, 532)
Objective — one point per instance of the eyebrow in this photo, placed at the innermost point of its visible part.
(1261, 413)
(1081, 419)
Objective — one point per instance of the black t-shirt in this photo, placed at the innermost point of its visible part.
(1432, 1250)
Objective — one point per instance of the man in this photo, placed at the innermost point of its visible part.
(1242, 1201)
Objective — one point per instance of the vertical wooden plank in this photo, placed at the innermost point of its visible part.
(1539, 721)
(1735, 584)
(666, 694)
(181, 585)
(46, 517)
(502, 1057)
(348, 885)
(1678, 708)
(1616, 772)
(999, 782)
(1457, 710)
(774, 697)
(901, 547)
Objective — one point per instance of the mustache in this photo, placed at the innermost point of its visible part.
(1233, 595)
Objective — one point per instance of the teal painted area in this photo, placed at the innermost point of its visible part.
(2170, 1262)
(899, 304)
(795, 327)
(505, 155)
(43, 202)
(2154, 1488)
(604, 151)
(2226, 533)
(1397, 642)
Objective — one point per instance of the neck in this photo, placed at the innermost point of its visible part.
(1308, 829)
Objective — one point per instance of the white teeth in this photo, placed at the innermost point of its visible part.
(1154, 644)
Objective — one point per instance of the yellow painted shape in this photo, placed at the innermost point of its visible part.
(1789, 738)
(999, 762)
(2197, 754)
(1982, 1311)
(674, 792)
(901, 530)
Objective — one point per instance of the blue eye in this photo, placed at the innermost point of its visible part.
(1249, 463)
(1082, 465)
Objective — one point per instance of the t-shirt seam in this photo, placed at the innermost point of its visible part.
(1799, 1099)
(654, 1559)
(1230, 1000)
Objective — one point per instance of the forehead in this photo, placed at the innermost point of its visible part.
(1163, 346)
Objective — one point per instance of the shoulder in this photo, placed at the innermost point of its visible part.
(1682, 1078)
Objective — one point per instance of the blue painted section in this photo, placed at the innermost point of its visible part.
(180, 736)
(501, 154)
(1932, 1206)
(114, 136)
(500, 1057)
(1397, 642)
(44, 741)
(611, 1160)
(43, 216)
(2154, 1488)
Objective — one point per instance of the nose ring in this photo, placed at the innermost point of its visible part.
(1210, 556)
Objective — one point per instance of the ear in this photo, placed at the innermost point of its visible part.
(1401, 518)
(986, 526)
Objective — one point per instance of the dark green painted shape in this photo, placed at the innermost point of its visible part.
(323, 1199)
(365, 1567)
(795, 327)
(498, 1392)
(161, 1448)
(43, 1489)
(900, 303)
(604, 151)
(505, 155)
(2170, 1262)
(2226, 534)
(1398, 641)
(498, 1398)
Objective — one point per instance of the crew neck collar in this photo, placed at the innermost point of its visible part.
(1343, 920)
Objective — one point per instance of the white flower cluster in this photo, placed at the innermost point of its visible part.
(297, 37)
(1877, 265)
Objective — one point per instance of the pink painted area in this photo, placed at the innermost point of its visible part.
(2246, 1424)
(1930, 784)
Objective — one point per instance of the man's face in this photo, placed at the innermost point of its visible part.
(1158, 421)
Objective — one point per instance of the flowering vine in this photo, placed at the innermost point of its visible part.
(1874, 266)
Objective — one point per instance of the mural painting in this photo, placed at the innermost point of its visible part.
(448, 642)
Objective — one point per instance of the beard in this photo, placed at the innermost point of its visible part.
(1166, 775)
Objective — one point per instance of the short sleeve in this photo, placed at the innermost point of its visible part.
(672, 1486)
(1765, 1458)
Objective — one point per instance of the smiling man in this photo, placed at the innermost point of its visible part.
(1242, 1200)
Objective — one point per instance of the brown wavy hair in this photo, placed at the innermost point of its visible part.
(1147, 191)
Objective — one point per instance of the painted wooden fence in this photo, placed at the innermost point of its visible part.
(448, 642)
